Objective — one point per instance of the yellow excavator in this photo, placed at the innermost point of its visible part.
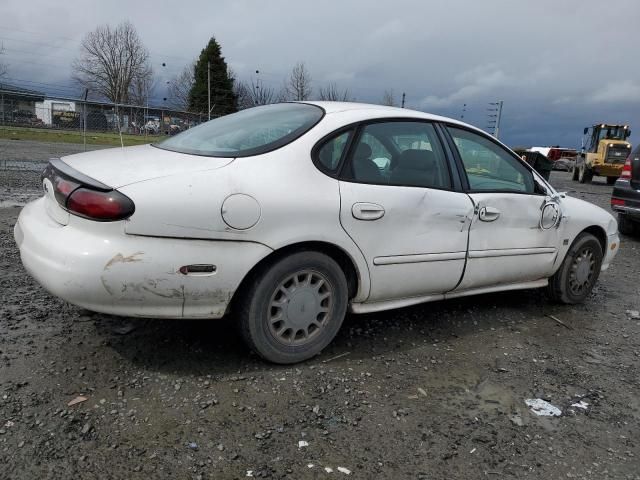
(604, 151)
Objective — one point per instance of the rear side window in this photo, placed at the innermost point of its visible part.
(400, 153)
(488, 166)
(331, 152)
(249, 132)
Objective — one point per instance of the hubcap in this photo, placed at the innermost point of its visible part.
(582, 272)
(300, 307)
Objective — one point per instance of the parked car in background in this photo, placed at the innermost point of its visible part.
(625, 198)
(25, 118)
(537, 160)
(561, 158)
(289, 214)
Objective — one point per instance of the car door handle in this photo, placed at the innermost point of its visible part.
(367, 211)
(488, 214)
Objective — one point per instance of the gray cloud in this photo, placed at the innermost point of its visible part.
(558, 66)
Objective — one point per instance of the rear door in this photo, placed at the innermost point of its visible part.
(507, 241)
(400, 206)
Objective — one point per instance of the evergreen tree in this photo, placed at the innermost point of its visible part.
(223, 98)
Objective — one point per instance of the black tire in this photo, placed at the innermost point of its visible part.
(257, 310)
(581, 171)
(625, 225)
(588, 175)
(611, 180)
(585, 174)
(574, 173)
(563, 285)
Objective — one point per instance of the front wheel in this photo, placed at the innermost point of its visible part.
(585, 174)
(574, 173)
(577, 275)
(294, 307)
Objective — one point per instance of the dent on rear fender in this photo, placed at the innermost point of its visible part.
(130, 279)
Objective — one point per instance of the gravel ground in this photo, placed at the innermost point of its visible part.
(435, 391)
(20, 163)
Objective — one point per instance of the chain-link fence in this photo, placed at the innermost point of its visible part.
(34, 129)
(70, 114)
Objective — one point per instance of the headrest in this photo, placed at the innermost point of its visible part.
(363, 151)
(416, 160)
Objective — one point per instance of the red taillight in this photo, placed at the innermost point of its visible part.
(62, 188)
(617, 202)
(101, 206)
(626, 170)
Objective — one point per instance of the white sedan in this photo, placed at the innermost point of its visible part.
(290, 214)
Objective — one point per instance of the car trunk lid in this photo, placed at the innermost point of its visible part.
(117, 167)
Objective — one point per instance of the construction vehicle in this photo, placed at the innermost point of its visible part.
(604, 151)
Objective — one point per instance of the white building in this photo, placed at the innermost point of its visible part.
(45, 109)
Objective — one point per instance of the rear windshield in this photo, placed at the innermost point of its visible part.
(248, 132)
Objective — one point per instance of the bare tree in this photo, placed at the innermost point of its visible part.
(260, 94)
(388, 98)
(298, 86)
(141, 88)
(254, 94)
(180, 86)
(332, 93)
(243, 97)
(111, 59)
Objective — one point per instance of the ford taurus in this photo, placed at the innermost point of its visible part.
(291, 214)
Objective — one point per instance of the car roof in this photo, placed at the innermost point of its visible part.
(384, 111)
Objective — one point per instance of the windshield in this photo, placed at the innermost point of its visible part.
(248, 132)
(613, 133)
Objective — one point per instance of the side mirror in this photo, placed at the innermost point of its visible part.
(550, 216)
(586, 129)
(628, 134)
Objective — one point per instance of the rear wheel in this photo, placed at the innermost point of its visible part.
(625, 225)
(294, 307)
(577, 275)
(611, 180)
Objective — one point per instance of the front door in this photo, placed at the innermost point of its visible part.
(398, 205)
(509, 241)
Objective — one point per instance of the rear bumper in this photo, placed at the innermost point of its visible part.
(623, 191)
(99, 267)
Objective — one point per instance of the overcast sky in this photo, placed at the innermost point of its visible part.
(557, 65)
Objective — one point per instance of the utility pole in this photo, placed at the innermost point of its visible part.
(209, 88)
(498, 118)
(403, 96)
(496, 112)
(84, 119)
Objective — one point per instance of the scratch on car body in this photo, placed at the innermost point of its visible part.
(119, 258)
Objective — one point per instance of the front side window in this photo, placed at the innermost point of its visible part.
(401, 153)
(489, 167)
(250, 132)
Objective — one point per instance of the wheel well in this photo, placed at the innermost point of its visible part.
(336, 253)
(600, 234)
